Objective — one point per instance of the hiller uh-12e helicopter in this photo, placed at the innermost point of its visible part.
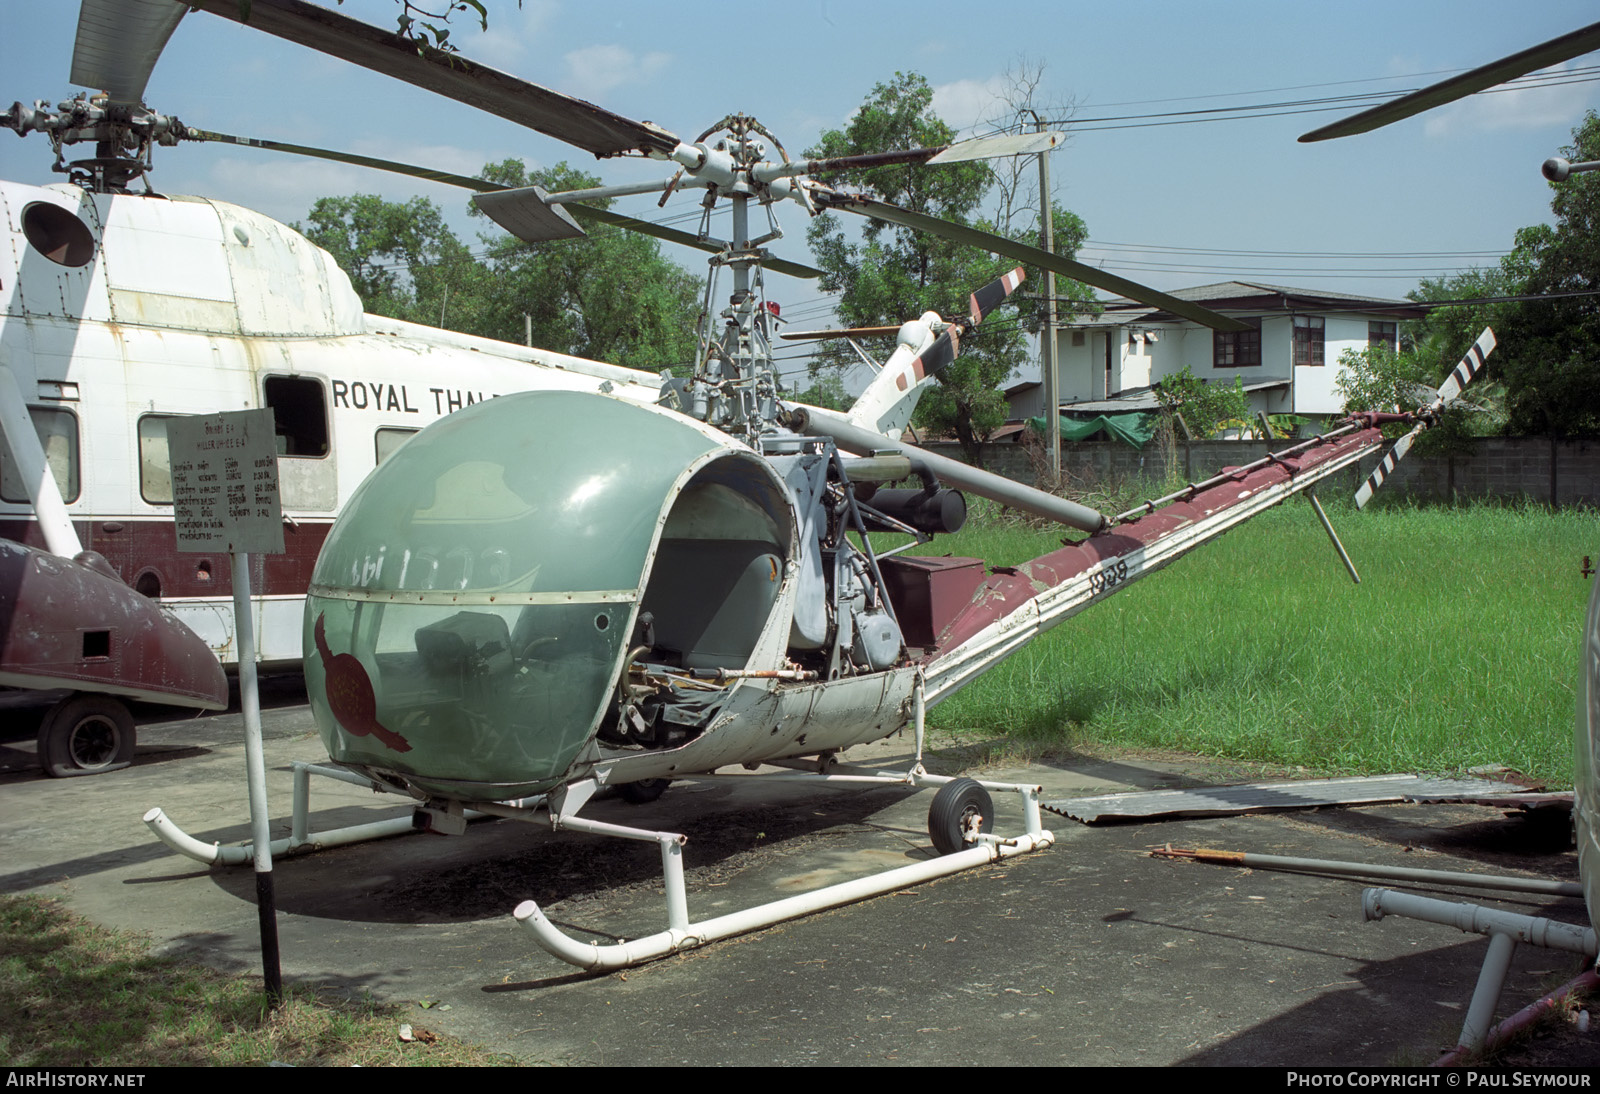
(613, 579)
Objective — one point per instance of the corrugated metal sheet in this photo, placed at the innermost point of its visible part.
(1222, 801)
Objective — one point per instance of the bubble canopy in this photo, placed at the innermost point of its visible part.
(470, 610)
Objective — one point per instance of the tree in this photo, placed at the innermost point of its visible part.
(893, 274)
(403, 260)
(1553, 377)
(610, 297)
(1548, 352)
(1205, 407)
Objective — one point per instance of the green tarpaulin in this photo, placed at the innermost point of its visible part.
(1133, 429)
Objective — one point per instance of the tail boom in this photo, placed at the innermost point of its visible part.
(1014, 606)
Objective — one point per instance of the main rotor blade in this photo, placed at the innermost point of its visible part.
(1540, 56)
(581, 212)
(398, 168)
(843, 332)
(1032, 256)
(118, 43)
(579, 123)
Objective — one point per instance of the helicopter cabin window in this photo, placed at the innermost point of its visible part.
(1236, 349)
(155, 464)
(300, 415)
(1384, 334)
(58, 436)
(1308, 340)
(387, 441)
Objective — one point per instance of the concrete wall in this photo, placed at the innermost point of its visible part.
(1499, 467)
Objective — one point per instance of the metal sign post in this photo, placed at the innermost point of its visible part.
(225, 493)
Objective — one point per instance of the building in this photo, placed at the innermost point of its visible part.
(1288, 361)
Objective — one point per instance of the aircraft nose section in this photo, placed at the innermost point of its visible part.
(468, 615)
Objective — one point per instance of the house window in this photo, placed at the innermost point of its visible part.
(1308, 340)
(1384, 334)
(1236, 349)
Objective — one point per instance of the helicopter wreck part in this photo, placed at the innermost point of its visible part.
(579, 123)
(469, 624)
(1486, 76)
(817, 422)
(118, 42)
(1579, 987)
(1468, 367)
(1028, 256)
(86, 735)
(683, 934)
(1014, 605)
(1289, 864)
(300, 839)
(1557, 169)
(1327, 526)
(1505, 930)
(67, 623)
(942, 512)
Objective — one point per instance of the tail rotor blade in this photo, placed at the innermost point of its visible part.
(1468, 367)
(992, 295)
(1385, 468)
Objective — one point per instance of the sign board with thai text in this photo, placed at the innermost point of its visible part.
(225, 482)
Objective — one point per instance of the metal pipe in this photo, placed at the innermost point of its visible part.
(16, 425)
(1505, 930)
(1542, 886)
(215, 854)
(618, 955)
(815, 422)
(1536, 930)
(1327, 526)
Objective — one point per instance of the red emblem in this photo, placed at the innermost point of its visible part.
(350, 694)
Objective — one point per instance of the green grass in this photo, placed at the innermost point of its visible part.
(80, 995)
(1458, 649)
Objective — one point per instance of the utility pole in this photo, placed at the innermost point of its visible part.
(1047, 337)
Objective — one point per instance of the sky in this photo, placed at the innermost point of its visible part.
(1172, 205)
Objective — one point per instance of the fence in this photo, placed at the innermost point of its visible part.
(1563, 473)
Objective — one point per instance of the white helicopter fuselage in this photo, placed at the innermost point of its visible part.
(120, 312)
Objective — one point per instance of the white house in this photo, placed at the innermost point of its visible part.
(1288, 361)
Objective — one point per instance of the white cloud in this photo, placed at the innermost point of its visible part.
(965, 103)
(1526, 108)
(512, 34)
(595, 70)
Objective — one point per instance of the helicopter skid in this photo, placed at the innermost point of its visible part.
(681, 934)
(300, 838)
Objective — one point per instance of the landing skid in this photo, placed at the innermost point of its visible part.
(960, 814)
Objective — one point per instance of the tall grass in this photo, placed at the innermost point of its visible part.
(1458, 649)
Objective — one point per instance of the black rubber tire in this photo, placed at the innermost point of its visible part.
(954, 807)
(86, 735)
(644, 791)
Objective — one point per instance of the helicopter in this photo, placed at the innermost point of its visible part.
(606, 578)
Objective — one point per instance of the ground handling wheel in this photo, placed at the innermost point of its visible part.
(86, 735)
(960, 811)
(644, 791)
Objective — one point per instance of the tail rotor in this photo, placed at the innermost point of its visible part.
(1466, 369)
